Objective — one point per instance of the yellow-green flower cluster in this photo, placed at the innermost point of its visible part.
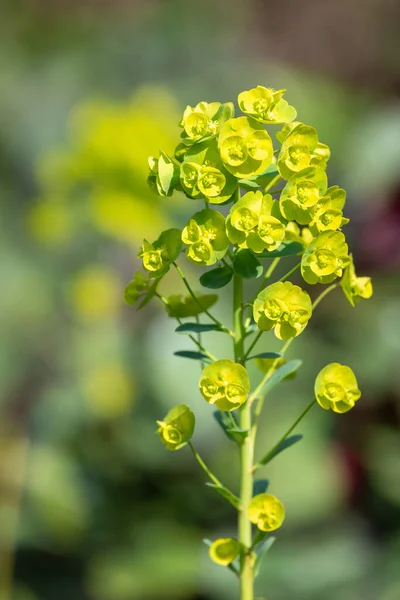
(205, 237)
(224, 550)
(325, 258)
(266, 105)
(355, 288)
(204, 121)
(255, 222)
(267, 512)
(336, 388)
(283, 307)
(225, 384)
(300, 149)
(158, 256)
(177, 427)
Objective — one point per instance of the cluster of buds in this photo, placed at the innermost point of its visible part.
(280, 205)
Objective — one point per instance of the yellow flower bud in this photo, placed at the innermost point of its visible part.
(267, 512)
(225, 384)
(224, 550)
(336, 388)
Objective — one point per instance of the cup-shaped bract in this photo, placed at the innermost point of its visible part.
(158, 256)
(327, 214)
(325, 258)
(203, 122)
(205, 237)
(266, 105)
(355, 288)
(225, 384)
(320, 155)
(301, 193)
(283, 307)
(245, 147)
(203, 175)
(224, 550)
(255, 222)
(336, 388)
(177, 427)
(297, 150)
(163, 175)
(267, 512)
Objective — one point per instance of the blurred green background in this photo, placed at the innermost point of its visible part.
(92, 507)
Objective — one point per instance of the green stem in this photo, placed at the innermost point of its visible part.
(204, 466)
(254, 342)
(289, 273)
(323, 294)
(271, 184)
(271, 452)
(246, 456)
(191, 292)
(269, 272)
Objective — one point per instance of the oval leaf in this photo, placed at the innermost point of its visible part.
(248, 184)
(285, 249)
(261, 550)
(247, 265)
(217, 278)
(260, 486)
(197, 327)
(225, 493)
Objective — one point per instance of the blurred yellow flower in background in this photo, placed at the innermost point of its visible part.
(96, 293)
(109, 390)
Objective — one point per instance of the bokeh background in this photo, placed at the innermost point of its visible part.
(92, 507)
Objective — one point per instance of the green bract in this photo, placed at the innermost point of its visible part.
(224, 551)
(325, 258)
(355, 288)
(204, 120)
(203, 174)
(255, 222)
(225, 384)
(327, 214)
(205, 237)
(177, 427)
(141, 286)
(336, 388)
(163, 175)
(300, 149)
(267, 512)
(293, 233)
(158, 256)
(182, 307)
(266, 105)
(245, 147)
(284, 307)
(301, 193)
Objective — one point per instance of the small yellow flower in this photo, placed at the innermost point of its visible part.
(177, 427)
(225, 384)
(205, 237)
(267, 512)
(355, 288)
(325, 258)
(158, 256)
(336, 388)
(224, 550)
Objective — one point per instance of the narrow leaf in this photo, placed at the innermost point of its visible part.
(197, 327)
(260, 486)
(265, 355)
(192, 354)
(249, 184)
(285, 249)
(290, 441)
(225, 423)
(284, 371)
(247, 265)
(261, 551)
(225, 493)
(238, 434)
(217, 278)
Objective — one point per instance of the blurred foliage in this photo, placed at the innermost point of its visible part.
(84, 377)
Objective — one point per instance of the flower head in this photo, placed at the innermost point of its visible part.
(327, 214)
(336, 388)
(225, 384)
(245, 147)
(158, 256)
(204, 121)
(267, 512)
(205, 237)
(177, 427)
(325, 258)
(302, 193)
(297, 150)
(355, 288)
(224, 550)
(266, 105)
(284, 307)
(255, 222)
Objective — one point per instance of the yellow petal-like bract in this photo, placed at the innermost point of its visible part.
(336, 388)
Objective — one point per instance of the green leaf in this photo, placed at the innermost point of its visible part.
(225, 423)
(217, 278)
(280, 448)
(248, 184)
(272, 355)
(168, 174)
(285, 249)
(192, 354)
(252, 328)
(260, 486)
(225, 493)
(284, 371)
(247, 265)
(261, 550)
(183, 307)
(197, 327)
(238, 433)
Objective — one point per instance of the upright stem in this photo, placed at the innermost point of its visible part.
(246, 456)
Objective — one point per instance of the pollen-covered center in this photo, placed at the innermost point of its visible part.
(152, 260)
(306, 194)
(333, 392)
(235, 393)
(244, 219)
(275, 309)
(323, 262)
(234, 151)
(209, 387)
(196, 124)
(258, 145)
(172, 435)
(200, 251)
(212, 183)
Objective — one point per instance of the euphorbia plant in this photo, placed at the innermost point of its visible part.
(280, 206)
